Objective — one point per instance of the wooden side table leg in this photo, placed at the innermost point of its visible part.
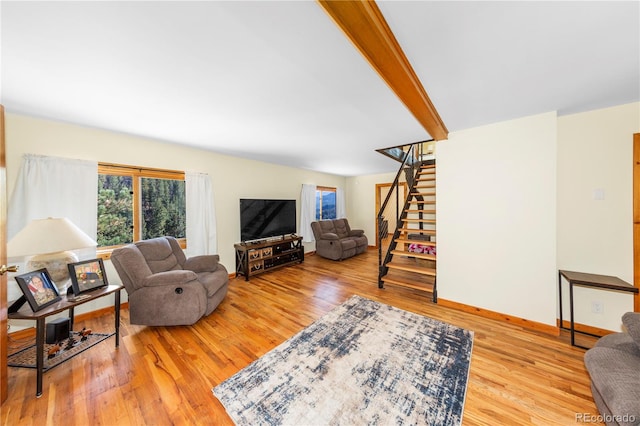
(72, 318)
(117, 315)
(560, 298)
(39, 355)
(573, 326)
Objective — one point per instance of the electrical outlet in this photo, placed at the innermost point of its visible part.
(597, 307)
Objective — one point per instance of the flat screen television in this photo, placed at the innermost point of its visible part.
(261, 219)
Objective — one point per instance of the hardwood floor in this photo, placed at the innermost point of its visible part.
(164, 375)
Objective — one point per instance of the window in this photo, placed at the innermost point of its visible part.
(325, 203)
(137, 203)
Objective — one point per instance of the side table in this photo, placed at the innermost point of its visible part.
(68, 303)
(602, 282)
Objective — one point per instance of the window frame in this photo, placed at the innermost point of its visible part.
(322, 189)
(136, 172)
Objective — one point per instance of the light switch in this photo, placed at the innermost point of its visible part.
(598, 194)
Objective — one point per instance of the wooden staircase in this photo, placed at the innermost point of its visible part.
(411, 261)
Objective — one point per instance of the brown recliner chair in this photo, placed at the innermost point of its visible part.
(336, 240)
(166, 288)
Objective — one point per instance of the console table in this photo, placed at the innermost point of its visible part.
(67, 303)
(601, 282)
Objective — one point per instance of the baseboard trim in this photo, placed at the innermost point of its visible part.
(486, 313)
(25, 333)
(31, 331)
(583, 328)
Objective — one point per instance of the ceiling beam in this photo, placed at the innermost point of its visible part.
(365, 26)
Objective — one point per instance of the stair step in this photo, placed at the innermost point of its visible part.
(430, 202)
(416, 211)
(424, 187)
(416, 220)
(427, 287)
(427, 166)
(418, 231)
(428, 194)
(428, 231)
(412, 268)
(416, 255)
(428, 179)
(403, 240)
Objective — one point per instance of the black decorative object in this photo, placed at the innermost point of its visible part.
(58, 329)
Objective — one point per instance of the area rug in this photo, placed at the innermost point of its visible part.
(27, 357)
(364, 362)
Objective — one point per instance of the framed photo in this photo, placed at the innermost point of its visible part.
(38, 288)
(87, 275)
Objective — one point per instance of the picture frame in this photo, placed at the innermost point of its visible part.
(38, 288)
(87, 275)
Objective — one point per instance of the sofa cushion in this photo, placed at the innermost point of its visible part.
(620, 341)
(631, 321)
(170, 278)
(361, 241)
(159, 254)
(616, 376)
(131, 266)
(202, 263)
(214, 281)
(327, 226)
(342, 228)
(348, 244)
(177, 251)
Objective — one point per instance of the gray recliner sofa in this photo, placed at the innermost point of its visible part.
(614, 366)
(166, 288)
(335, 240)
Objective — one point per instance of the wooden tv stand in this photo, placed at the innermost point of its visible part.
(256, 257)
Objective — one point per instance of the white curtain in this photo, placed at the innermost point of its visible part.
(341, 206)
(55, 187)
(201, 215)
(307, 211)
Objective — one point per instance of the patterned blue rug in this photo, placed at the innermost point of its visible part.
(362, 363)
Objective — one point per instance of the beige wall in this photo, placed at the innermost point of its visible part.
(595, 155)
(233, 178)
(361, 202)
(496, 217)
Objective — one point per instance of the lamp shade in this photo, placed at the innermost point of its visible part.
(49, 235)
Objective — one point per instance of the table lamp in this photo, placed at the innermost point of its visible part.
(50, 241)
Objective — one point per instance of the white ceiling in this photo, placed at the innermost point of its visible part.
(279, 82)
